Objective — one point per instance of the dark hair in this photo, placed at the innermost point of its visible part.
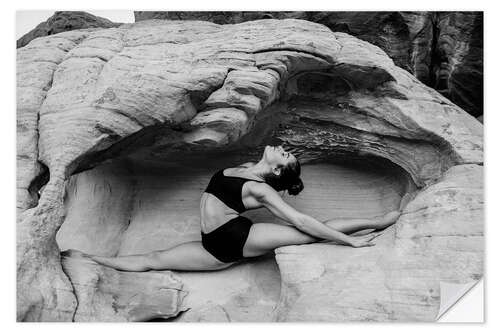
(289, 179)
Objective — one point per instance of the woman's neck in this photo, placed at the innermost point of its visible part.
(259, 169)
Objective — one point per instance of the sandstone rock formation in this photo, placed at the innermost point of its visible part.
(442, 49)
(128, 207)
(65, 21)
(127, 124)
(105, 294)
(459, 54)
(398, 280)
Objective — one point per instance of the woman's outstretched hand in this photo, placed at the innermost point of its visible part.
(364, 240)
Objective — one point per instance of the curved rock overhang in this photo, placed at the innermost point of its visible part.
(136, 205)
(156, 88)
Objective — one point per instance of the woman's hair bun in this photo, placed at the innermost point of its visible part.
(296, 187)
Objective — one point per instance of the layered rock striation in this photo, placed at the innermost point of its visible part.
(444, 50)
(126, 124)
(107, 295)
(438, 238)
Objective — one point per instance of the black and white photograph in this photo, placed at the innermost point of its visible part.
(248, 166)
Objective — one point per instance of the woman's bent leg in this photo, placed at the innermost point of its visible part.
(348, 226)
(185, 257)
(265, 237)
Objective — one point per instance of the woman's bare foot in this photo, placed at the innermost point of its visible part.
(388, 219)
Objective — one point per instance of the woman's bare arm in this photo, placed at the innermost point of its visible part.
(273, 201)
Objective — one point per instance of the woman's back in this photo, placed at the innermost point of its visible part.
(226, 196)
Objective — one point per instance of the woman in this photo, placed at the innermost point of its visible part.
(228, 237)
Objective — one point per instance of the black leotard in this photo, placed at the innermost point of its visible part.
(228, 189)
(226, 242)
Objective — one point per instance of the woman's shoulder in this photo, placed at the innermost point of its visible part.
(260, 189)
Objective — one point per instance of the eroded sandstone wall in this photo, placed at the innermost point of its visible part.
(438, 238)
(155, 90)
(126, 207)
(444, 50)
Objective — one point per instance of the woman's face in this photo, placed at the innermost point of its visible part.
(277, 156)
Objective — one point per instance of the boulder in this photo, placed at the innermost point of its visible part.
(105, 294)
(130, 122)
(439, 238)
(63, 21)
